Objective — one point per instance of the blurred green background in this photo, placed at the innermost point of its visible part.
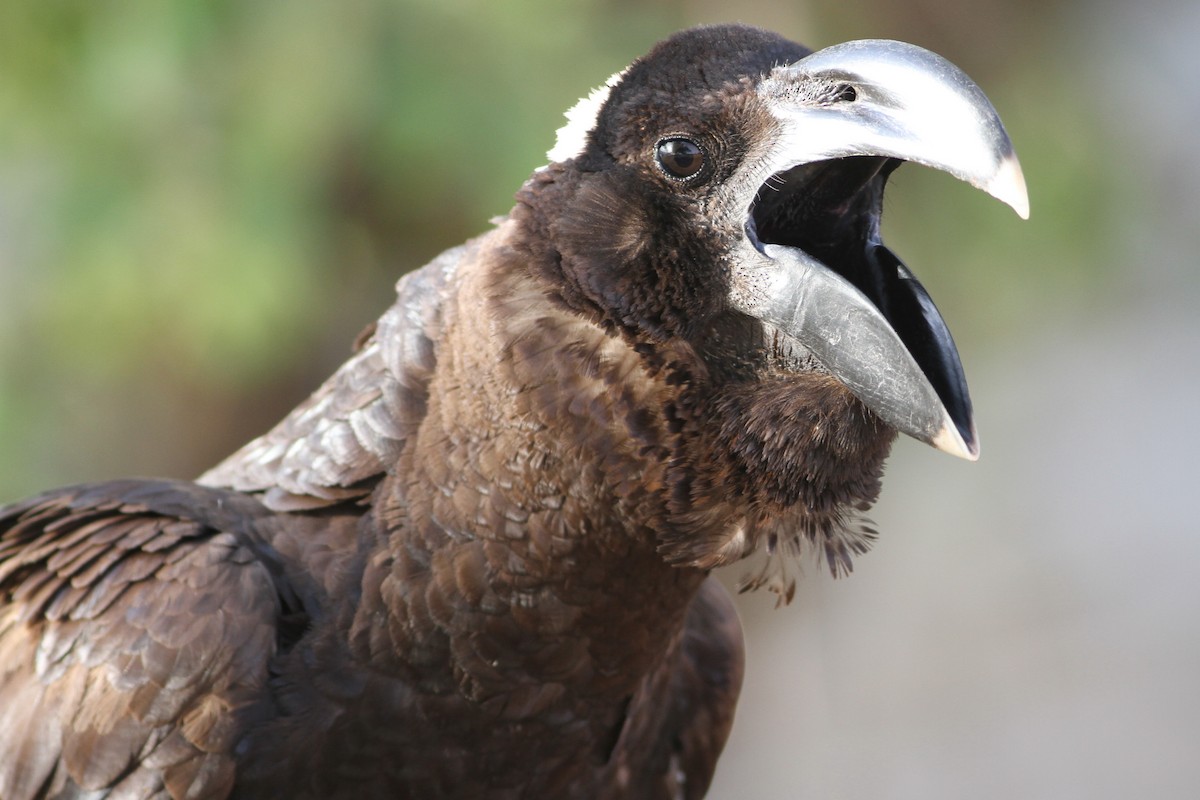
(201, 204)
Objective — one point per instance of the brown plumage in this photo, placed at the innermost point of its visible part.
(475, 562)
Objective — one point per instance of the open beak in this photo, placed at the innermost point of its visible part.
(847, 116)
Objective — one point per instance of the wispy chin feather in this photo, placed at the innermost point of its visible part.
(780, 555)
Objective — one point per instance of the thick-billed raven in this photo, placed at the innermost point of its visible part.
(475, 563)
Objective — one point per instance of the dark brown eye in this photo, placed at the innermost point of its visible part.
(680, 158)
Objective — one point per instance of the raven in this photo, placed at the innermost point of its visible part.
(475, 563)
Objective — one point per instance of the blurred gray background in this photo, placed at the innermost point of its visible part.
(202, 203)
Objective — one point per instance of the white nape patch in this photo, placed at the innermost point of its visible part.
(581, 119)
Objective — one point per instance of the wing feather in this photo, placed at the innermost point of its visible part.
(133, 643)
(336, 444)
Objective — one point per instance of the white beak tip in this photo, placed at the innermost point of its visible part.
(1008, 186)
(949, 440)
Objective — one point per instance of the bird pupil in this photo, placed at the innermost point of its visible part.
(681, 155)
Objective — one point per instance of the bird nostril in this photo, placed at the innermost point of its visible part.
(845, 94)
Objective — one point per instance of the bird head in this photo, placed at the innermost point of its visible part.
(725, 191)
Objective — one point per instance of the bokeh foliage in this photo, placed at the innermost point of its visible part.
(202, 202)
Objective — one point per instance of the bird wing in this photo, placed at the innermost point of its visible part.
(707, 685)
(133, 641)
(677, 723)
(336, 444)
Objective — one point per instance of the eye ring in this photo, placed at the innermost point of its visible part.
(680, 158)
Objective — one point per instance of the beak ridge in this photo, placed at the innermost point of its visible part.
(907, 103)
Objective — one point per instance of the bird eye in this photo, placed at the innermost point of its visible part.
(680, 158)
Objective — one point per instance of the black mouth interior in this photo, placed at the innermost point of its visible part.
(831, 210)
